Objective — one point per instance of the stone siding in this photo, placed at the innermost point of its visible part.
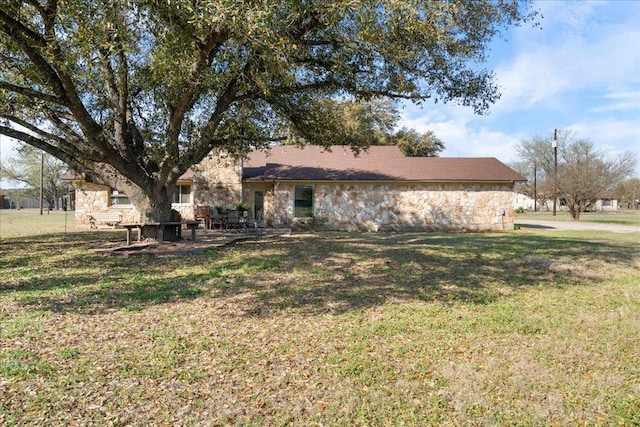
(218, 180)
(369, 206)
(401, 207)
(268, 201)
(95, 198)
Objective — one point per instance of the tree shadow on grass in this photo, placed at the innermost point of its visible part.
(470, 268)
(61, 275)
(317, 273)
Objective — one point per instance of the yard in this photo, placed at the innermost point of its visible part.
(524, 327)
(619, 217)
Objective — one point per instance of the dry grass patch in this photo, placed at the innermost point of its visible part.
(327, 329)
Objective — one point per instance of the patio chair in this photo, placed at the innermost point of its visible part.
(234, 220)
(216, 219)
(203, 213)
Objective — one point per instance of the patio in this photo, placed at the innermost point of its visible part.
(207, 238)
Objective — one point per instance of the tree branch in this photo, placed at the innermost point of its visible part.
(45, 69)
(70, 160)
(32, 128)
(109, 77)
(208, 49)
(13, 25)
(31, 93)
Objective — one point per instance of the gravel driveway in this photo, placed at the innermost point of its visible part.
(577, 225)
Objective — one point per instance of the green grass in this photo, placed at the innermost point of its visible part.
(29, 222)
(521, 328)
(620, 217)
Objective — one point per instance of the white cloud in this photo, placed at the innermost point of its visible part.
(574, 51)
(530, 79)
(463, 137)
(611, 135)
(8, 147)
(618, 101)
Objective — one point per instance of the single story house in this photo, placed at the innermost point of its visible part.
(522, 201)
(379, 189)
(607, 202)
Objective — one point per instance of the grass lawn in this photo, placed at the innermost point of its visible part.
(518, 328)
(620, 217)
(29, 222)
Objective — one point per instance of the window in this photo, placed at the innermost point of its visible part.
(303, 203)
(117, 198)
(607, 202)
(182, 194)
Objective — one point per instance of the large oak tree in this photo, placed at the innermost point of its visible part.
(373, 122)
(131, 93)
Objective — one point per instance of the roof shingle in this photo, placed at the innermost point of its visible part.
(378, 163)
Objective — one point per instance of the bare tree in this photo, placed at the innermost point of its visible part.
(24, 168)
(584, 173)
(587, 174)
(629, 193)
(537, 186)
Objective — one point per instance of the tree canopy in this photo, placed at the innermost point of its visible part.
(414, 144)
(132, 93)
(373, 122)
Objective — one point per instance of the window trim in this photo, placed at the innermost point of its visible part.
(310, 210)
(179, 194)
(115, 194)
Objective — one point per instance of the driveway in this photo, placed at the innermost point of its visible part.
(575, 225)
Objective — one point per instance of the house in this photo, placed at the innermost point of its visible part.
(379, 189)
(522, 201)
(608, 201)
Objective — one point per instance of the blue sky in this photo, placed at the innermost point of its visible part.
(580, 71)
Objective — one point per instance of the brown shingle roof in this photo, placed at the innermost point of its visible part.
(378, 163)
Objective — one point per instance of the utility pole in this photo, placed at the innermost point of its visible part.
(535, 187)
(554, 144)
(41, 180)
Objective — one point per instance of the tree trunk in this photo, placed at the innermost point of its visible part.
(155, 208)
(574, 210)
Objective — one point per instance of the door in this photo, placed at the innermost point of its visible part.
(258, 206)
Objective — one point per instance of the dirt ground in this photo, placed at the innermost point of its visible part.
(215, 238)
(204, 239)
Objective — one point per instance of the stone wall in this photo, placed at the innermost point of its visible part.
(248, 197)
(95, 198)
(218, 180)
(186, 210)
(374, 206)
(338, 206)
